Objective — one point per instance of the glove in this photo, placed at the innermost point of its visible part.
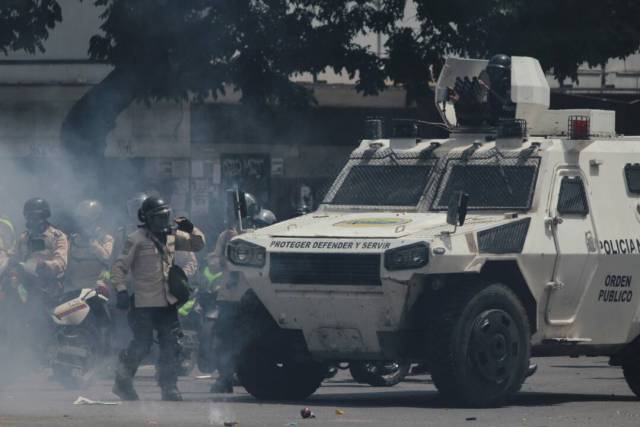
(122, 300)
(184, 224)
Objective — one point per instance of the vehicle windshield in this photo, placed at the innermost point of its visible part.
(493, 182)
(494, 186)
(383, 179)
(392, 185)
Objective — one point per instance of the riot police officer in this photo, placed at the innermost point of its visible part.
(149, 254)
(225, 330)
(42, 248)
(90, 248)
(41, 257)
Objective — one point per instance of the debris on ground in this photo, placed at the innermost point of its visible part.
(470, 419)
(339, 412)
(230, 423)
(81, 400)
(204, 377)
(306, 413)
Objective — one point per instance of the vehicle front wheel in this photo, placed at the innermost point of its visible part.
(631, 371)
(269, 376)
(479, 343)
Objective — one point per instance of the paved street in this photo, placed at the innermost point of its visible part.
(565, 392)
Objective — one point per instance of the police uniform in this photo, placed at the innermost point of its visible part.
(7, 242)
(149, 261)
(188, 262)
(89, 258)
(224, 328)
(50, 250)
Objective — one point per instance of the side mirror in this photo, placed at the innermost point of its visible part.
(457, 209)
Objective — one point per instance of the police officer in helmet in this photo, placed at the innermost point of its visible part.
(499, 82)
(148, 254)
(43, 245)
(91, 247)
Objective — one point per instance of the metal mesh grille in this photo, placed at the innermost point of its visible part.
(325, 269)
(383, 185)
(572, 198)
(632, 175)
(504, 239)
(502, 180)
(493, 181)
(382, 178)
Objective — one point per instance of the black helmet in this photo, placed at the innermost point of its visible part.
(155, 213)
(500, 61)
(88, 213)
(36, 207)
(36, 211)
(264, 218)
(499, 66)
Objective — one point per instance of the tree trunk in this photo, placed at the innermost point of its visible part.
(86, 126)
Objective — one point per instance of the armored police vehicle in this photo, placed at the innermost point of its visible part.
(516, 236)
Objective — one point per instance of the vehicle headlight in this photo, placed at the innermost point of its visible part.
(244, 253)
(407, 257)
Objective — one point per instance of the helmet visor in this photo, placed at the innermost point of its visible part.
(160, 221)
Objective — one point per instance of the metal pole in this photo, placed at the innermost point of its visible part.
(378, 34)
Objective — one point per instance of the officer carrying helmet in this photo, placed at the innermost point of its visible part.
(90, 247)
(149, 255)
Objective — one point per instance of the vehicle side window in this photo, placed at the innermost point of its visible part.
(632, 176)
(572, 198)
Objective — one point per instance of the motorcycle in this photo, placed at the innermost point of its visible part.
(81, 340)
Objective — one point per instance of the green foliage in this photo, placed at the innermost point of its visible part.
(562, 34)
(25, 24)
(194, 46)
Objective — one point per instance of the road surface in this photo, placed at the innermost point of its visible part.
(564, 392)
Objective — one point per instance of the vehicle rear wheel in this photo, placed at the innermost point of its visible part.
(379, 374)
(479, 343)
(631, 371)
(267, 376)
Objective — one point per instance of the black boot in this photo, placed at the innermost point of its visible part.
(171, 393)
(123, 386)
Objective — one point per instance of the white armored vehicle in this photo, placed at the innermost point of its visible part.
(516, 236)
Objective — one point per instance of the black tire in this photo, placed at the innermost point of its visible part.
(379, 374)
(83, 375)
(267, 376)
(479, 342)
(631, 371)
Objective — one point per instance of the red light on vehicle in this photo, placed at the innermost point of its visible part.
(579, 127)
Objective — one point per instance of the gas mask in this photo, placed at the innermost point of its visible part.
(35, 224)
(159, 223)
